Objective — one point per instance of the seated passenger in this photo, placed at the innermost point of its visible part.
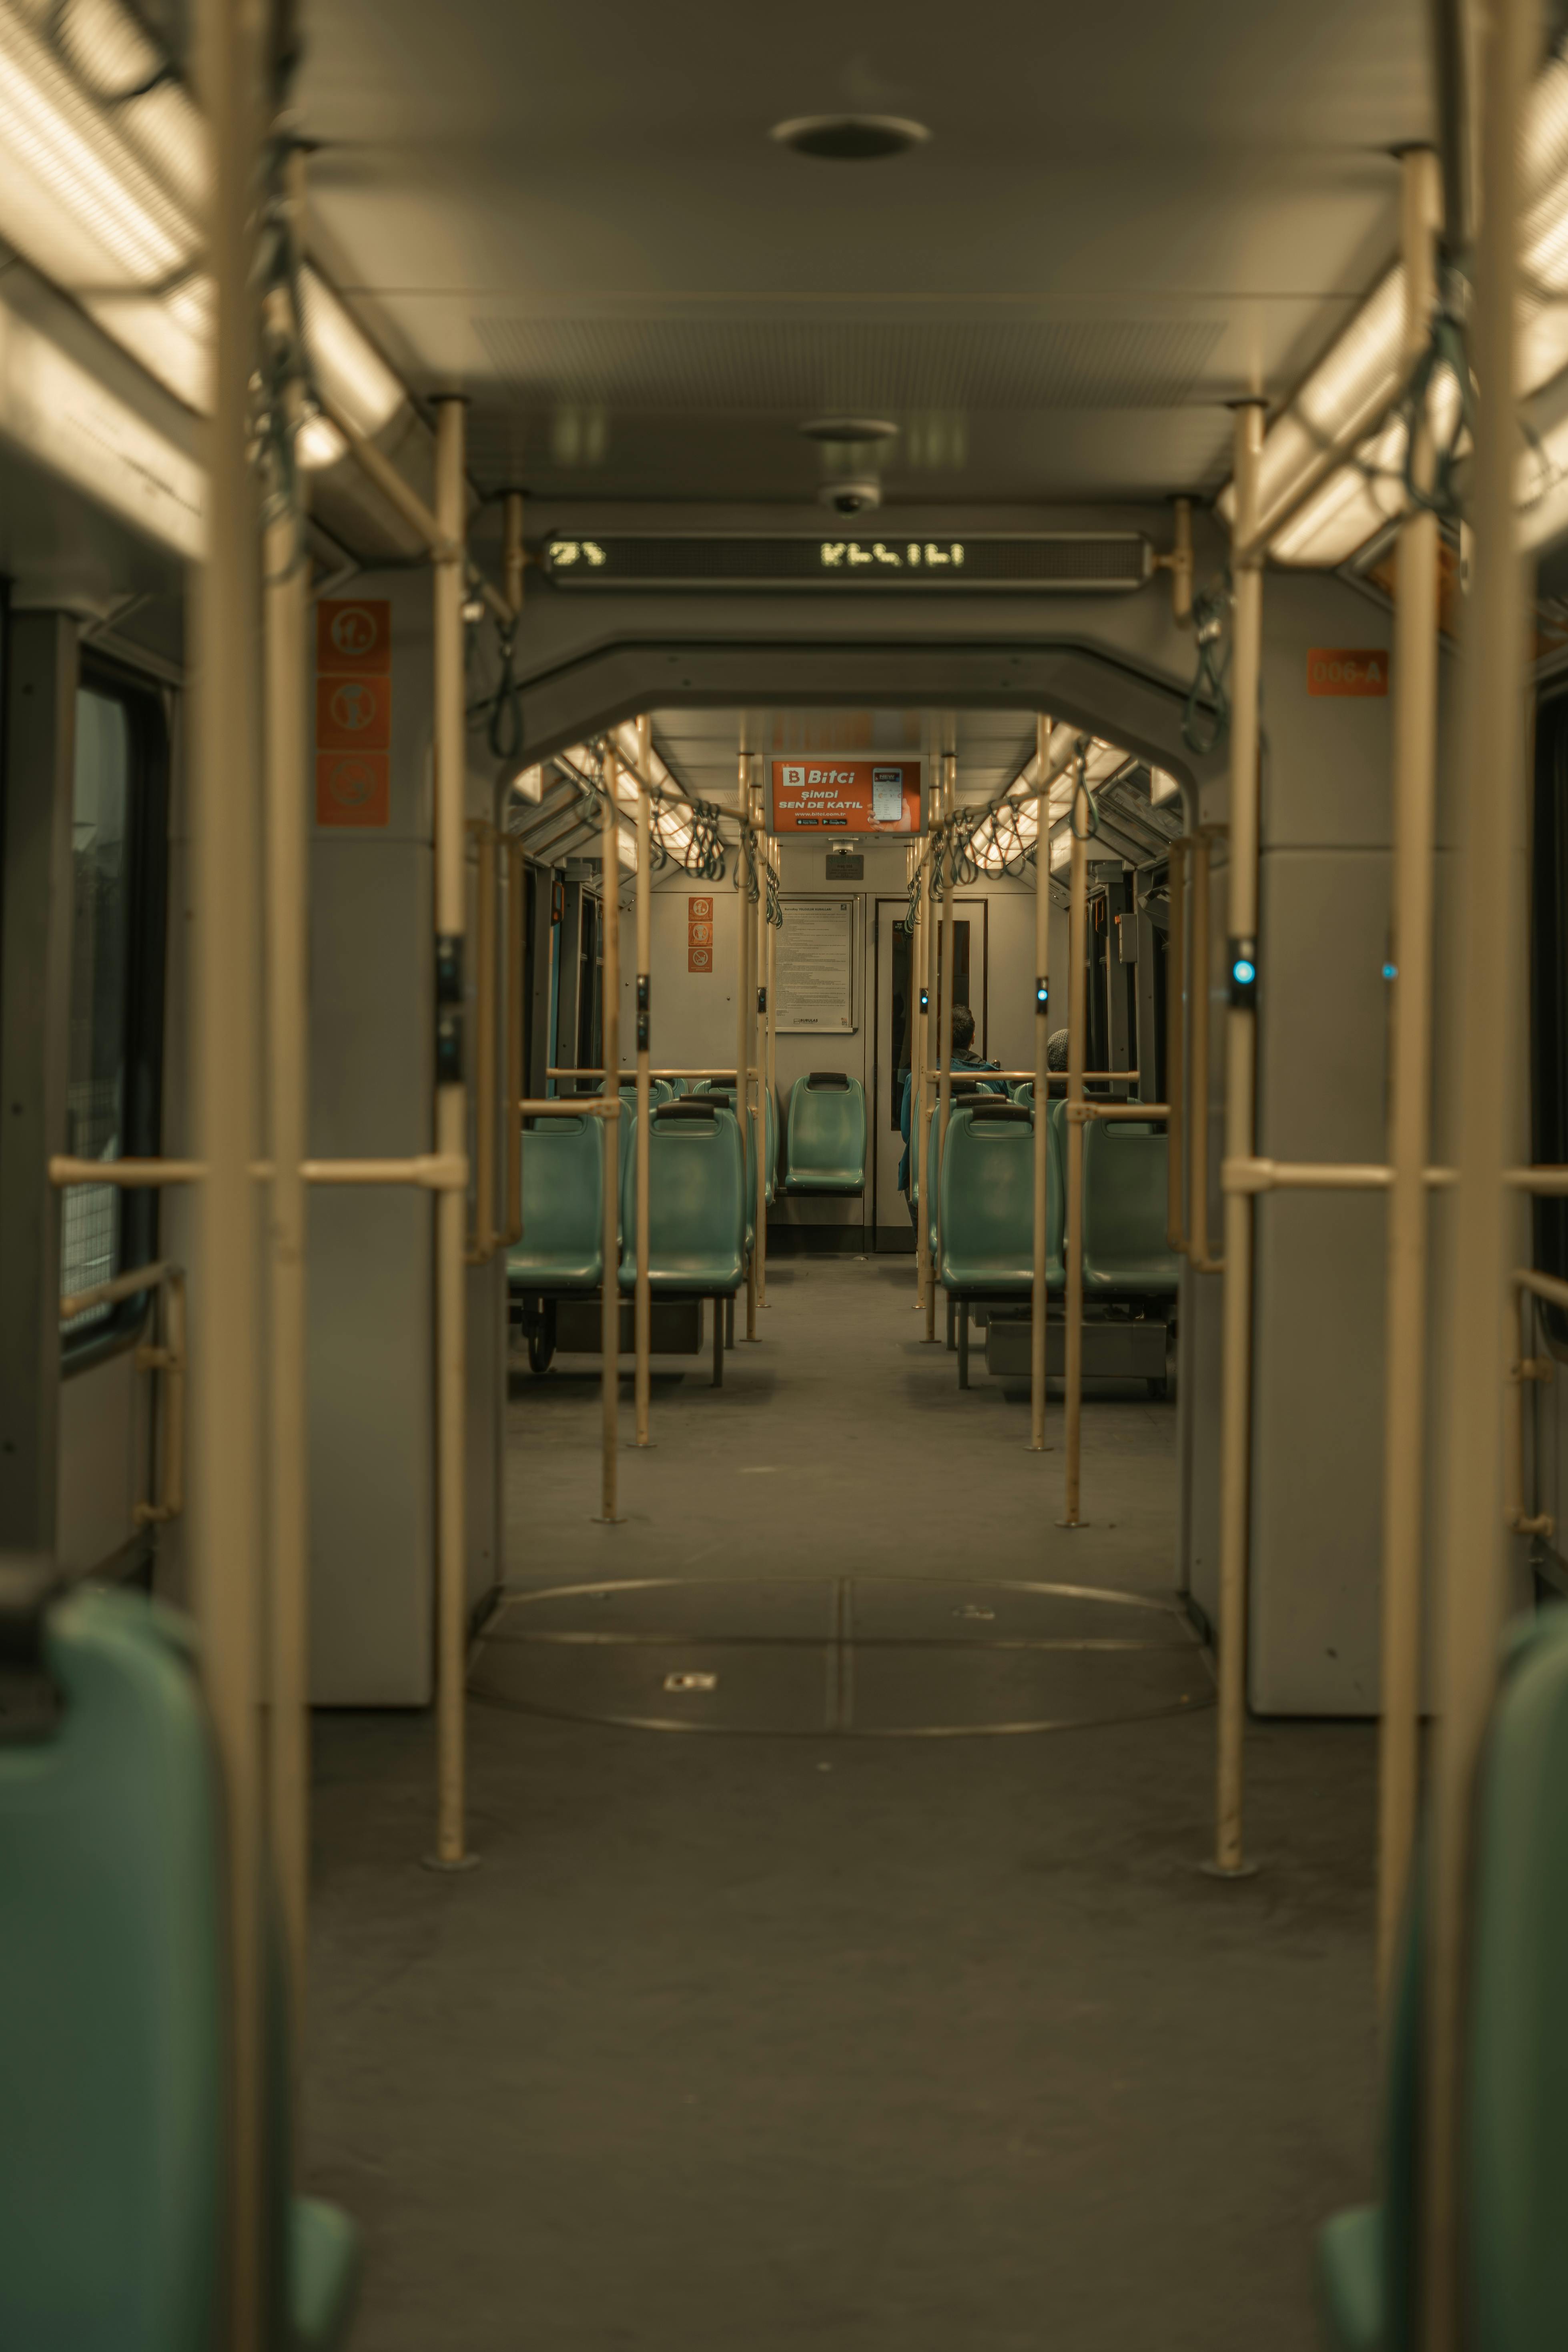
(963, 1057)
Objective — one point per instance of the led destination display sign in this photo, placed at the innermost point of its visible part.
(833, 795)
(995, 562)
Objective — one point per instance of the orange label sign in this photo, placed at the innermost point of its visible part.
(700, 910)
(353, 714)
(1331, 671)
(699, 959)
(825, 794)
(353, 788)
(354, 635)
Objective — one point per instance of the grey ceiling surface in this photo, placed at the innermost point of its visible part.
(1125, 217)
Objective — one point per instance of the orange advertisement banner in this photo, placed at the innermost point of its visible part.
(828, 795)
(1335, 670)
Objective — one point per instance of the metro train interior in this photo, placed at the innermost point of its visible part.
(783, 1132)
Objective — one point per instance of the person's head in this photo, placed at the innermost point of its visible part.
(962, 1028)
(1057, 1050)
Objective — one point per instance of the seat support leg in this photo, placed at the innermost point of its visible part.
(729, 1320)
(951, 1340)
(963, 1305)
(718, 1343)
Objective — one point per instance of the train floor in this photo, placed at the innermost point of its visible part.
(794, 2035)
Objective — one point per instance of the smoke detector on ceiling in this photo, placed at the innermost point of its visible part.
(851, 138)
(852, 497)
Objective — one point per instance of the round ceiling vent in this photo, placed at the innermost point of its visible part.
(851, 138)
(855, 430)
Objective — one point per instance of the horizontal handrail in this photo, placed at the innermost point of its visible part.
(572, 1107)
(1078, 1113)
(110, 1293)
(980, 1074)
(727, 1072)
(128, 1174)
(434, 1171)
(1365, 1176)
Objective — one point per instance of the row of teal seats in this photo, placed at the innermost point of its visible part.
(1510, 2263)
(113, 1977)
(825, 1143)
(697, 1203)
(985, 1244)
(562, 1246)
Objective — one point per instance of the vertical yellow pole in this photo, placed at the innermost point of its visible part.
(644, 1305)
(286, 611)
(1039, 1297)
(1493, 766)
(484, 989)
(1404, 1379)
(949, 997)
(516, 951)
(225, 1488)
(451, 1137)
(1175, 1060)
(773, 1013)
(742, 997)
(1078, 1021)
(760, 995)
(929, 1028)
(1241, 1063)
(919, 1062)
(513, 558)
(610, 1055)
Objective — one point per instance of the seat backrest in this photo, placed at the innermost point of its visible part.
(695, 1182)
(1516, 2060)
(563, 1191)
(988, 1187)
(1125, 1199)
(112, 2037)
(827, 1126)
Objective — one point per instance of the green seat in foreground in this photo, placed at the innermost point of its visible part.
(825, 1143)
(1513, 2092)
(562, 1245)
(113, 1985)
(1124, 1211)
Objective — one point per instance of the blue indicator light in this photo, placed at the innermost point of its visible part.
(1391, 971)
(1243, 972)
(1042, 995)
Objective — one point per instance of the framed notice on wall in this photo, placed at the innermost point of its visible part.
(815, 980)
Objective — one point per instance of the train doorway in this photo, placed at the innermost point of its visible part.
(893, 1012)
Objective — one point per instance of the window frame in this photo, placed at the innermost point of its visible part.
(148, 736)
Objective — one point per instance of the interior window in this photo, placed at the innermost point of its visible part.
(118, 846)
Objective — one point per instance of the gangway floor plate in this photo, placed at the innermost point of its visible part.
(856, 1656)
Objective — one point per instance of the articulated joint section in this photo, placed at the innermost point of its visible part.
(449, 1009)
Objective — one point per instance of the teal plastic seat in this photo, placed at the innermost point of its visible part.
(717, 1090)
(562, 1245)
(826, 1141)
(771, 1174)
(1515, 2176)
(963, 1095)
(1513, 2155)
(113, 1986)
(695, 1220)
(988, 1205)
(1124, 1211)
